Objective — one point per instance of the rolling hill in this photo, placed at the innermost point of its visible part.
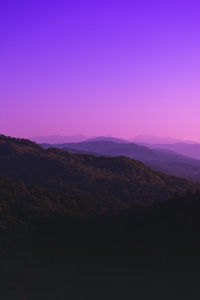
(106, 138)
(162, 160)
(150, 139)
(187, 149)
(79, 183)
(74, 224)
(57, 139)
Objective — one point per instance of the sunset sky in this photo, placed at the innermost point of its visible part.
(100, 67)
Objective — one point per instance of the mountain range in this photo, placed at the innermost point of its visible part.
(139, 139)
(187, 149)
(163, 160)
(74, 224)
(55, 181)
(150, 139)
(58, 139)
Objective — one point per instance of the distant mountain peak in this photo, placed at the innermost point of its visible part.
(61, 182)
(106, 138)
(59, 139)
(150, 139)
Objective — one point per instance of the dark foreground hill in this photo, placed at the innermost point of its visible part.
(161, 160)
(75, 226)
(96, 183)
(143, 252)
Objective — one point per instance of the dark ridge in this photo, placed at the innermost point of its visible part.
(162, 160)
(80, 227)
(55, 182)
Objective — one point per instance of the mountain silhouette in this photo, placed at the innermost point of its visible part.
(58, 139)
(75, 224)
(162, 160)
(187, 149)
(106, 138)
(90, 184)
(150, 139)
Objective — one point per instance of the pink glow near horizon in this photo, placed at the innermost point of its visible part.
(117, 67)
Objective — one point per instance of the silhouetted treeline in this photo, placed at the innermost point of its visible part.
(80, 227)
(141, 252)
(53, 180)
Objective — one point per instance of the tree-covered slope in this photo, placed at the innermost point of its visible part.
(47, 251)
(105, 183)
(161, 160)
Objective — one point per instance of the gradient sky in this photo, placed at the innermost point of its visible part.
(100, 67)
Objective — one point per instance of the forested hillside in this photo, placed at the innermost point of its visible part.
(69, 220)
(94, 183)
(162, 160)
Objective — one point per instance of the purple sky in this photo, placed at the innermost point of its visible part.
(100, 67)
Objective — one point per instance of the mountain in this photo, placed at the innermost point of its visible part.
(106, 138)
(83, 184)
(190, 150)
(58, 139)
(159, 159)
(76, 226)
(150, 139)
